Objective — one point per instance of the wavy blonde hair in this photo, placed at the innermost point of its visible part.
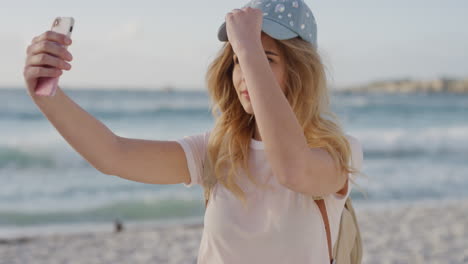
(306, 92)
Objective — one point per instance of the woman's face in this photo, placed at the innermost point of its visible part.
(277, 65)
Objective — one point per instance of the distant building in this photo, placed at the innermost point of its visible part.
(407, 85)
(168, 88)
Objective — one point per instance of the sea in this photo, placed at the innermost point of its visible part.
(415, 151)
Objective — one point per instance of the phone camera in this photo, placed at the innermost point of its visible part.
(56, 22)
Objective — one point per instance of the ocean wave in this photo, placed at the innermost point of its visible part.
(378, 143)
(123, 210)
(20, 158)
(401, 142)
(154, 112)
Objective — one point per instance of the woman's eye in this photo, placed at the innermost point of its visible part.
(236, 61)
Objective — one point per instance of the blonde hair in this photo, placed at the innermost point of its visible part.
(306, 92)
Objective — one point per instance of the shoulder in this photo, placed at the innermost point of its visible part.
(352, 139)
(357, 154)
(195, 145)
(195, 148)
(198, 139)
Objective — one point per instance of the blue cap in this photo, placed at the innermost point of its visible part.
(283, 19)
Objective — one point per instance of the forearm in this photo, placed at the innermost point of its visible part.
(282, 135)
(88, 136)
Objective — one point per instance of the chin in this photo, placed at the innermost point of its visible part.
(248, 110)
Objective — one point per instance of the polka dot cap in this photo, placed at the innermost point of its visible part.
(283, 19)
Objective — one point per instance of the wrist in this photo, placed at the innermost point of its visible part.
(249, 48)
(44, 99)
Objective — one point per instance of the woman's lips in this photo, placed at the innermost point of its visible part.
(246, 94)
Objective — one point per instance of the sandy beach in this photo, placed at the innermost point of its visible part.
(408, 234)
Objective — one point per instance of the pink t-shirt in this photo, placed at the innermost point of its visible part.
(278, 226)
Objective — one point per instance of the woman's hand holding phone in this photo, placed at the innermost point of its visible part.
(46, 57)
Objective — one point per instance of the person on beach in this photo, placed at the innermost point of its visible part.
(275, 144)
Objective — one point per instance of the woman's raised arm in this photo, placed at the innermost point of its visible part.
(158, 162)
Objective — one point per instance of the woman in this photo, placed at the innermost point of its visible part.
(272, 147)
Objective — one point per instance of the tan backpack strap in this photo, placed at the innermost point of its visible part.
(323, 211)
(206, 188)
(207, 195)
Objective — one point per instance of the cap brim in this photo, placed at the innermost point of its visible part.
(270, 27)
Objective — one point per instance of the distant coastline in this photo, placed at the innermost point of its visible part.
(402, 85)
(440, 85)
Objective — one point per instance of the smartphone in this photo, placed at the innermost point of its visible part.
(47, 86)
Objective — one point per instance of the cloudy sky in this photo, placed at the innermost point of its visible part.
(149, 44)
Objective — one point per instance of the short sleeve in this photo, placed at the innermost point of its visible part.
(194, 147)
(357, 157)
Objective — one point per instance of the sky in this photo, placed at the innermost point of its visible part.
(151, 44)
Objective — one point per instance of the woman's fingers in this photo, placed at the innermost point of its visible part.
(46, 59)
(34, 72)
(51, 48)
(52, 36)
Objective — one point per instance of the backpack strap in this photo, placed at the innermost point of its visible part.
(208, 181)
(323, 210)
